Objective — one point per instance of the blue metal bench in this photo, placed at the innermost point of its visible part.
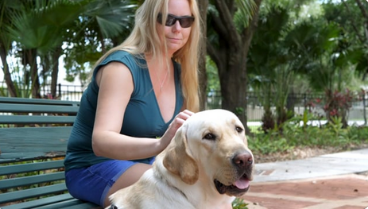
(33, 139)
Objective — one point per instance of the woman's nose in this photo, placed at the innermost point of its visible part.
(177, 26)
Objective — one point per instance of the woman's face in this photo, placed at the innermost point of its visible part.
(176, 36)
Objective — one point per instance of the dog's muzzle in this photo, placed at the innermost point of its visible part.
(112, 206)
(243, 163)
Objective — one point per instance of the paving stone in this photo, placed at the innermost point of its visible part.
(324, 182)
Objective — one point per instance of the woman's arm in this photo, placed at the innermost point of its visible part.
(116, 86)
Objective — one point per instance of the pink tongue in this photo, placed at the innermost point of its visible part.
(242, 184)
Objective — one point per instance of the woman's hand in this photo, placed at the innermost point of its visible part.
(173, 127)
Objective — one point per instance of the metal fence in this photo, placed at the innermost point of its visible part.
(314, 102)
(63, 92)
(298, 102)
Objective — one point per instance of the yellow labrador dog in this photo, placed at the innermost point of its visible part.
(206, 165)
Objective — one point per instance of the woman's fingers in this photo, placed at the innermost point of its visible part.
(180, 119)
(175, 125)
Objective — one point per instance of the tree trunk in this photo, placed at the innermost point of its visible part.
(233, 81)
(7, 76)
(230, 56)
(203, 4)
(55, 71)
(32, 61)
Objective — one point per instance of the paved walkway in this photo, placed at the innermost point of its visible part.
(332, 181)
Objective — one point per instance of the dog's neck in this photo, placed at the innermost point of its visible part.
(175, 188)
(204, 196)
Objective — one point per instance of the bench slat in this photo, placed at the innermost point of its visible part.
(29, 180)
(35, 119)
(58, 201)
(85, 206)
(34, 134)
(41, 202)
(71, 204)
(40, 142)
(15, 100)
(30, 108)
(30, 193)
(15, 157)
(22, 168)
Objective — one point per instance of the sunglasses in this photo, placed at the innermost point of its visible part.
(185, 21)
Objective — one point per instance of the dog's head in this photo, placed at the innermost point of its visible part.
(212, 143)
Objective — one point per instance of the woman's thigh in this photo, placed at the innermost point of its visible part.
(97, 182)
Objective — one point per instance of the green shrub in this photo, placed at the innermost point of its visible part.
(239, 204)
(296, 133)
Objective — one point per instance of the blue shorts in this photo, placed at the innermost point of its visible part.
(93, 183)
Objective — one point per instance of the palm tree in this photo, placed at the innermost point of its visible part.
(37, 27)
(40, 29)
(7, 7)
(104, 24)
(265, 58)
(282, 49)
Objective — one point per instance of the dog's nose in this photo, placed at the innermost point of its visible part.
(243, 160)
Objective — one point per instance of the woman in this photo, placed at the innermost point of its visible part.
(141, 92)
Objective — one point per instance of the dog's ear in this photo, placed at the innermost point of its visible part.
(178, 161)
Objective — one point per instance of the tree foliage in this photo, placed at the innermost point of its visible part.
(273, 44)
(352, 17)
(42, 31)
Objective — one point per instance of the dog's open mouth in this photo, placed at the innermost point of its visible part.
(238, 188)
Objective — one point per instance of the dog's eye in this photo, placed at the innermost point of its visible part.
(238, 129)
(210, 136)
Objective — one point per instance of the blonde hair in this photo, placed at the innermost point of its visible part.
(144, 39)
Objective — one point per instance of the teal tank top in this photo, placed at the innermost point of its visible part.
(142, 116)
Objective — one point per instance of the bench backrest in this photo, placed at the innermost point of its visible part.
(33, 140)
(18, 110)
(32, 128)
